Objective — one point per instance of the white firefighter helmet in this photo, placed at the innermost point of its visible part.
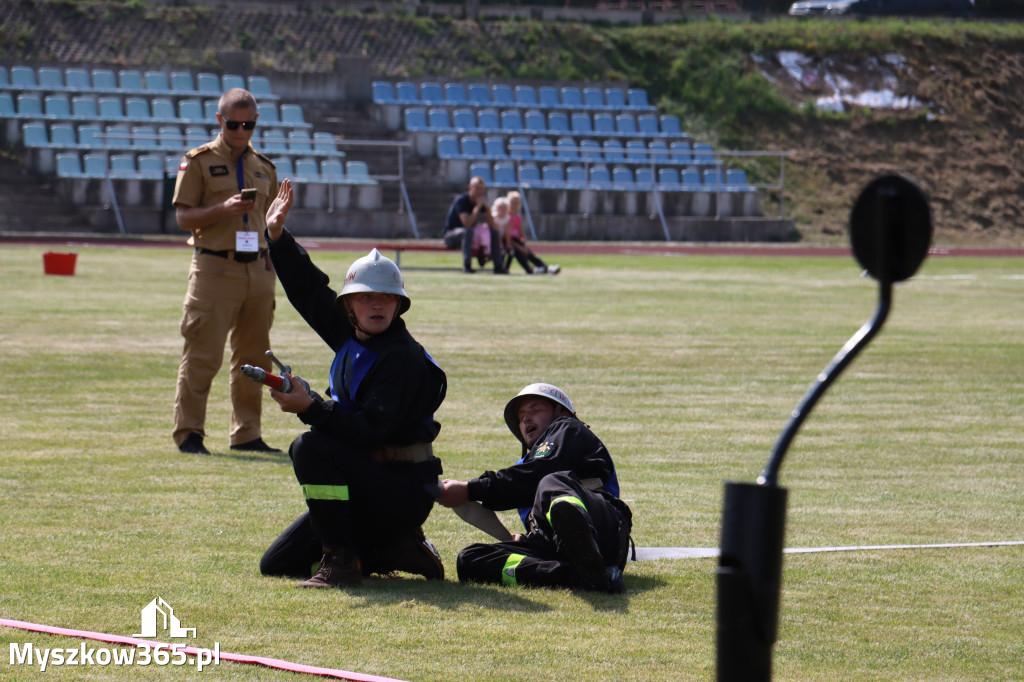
(542, 390)
(376, 273)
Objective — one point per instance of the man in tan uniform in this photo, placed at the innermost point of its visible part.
(231, 282)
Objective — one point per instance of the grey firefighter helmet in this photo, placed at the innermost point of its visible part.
(541, 390)
(376, 273)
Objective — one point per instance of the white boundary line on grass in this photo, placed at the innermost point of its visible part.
(652, 553)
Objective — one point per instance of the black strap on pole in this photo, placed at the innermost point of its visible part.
(890, 230)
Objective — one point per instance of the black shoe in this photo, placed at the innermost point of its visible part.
(193, 445)
(611, 582)
(255, 446)
(571, 524)
(500, 271)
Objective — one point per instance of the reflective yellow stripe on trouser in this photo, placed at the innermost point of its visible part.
(508, 573)
(565, 498)
(325, 492)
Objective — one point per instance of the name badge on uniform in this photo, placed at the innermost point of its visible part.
(247, 242)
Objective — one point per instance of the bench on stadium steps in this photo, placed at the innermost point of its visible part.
(424, 245)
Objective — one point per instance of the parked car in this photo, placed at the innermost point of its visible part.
(949, 8)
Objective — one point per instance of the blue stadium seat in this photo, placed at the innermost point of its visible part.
(191, 110)
(604, 124)
(7, 106)
(591, 150)
(208, 84)
(736, 179)
(5, 80)
(622, 178)
(647, 125)
(130, 82)
(274, 142)
(668, 179)
(230, 81)
(593, 98)
(487, 121)
(163, 110)
(543, 149)
(144, 137)
(511, 121)
(670, 126)
(103, 80)
(122, 166)
(69, 165)
(614, 98)
(137, 109)
(660, 150)
(548, 97)
(211, 108)
(638, 99)
(680, 152)
(431, 93)
(62, 136)
(358, 173)
(636, 152)
(406, 93)
(703, 154)
(526, 96)
(94, 166)
(89, 137)
(34, 136)
(625, 124)
(181, 84)
(51, 79)
(291, 115)
(575, 177)
(581, 124)
(534, 122)
(505, 175)
(57, 107)
(572, 98)
(332, 171)
(713, 179)
(455, 94)
(519, 148)
(494, 148)
(472, 148)
(110, 109)
(284, 168)
(529, 175)
(118, 136)
(479, 95)
(600, 177)
(83, 108)
(268, 114)
(463, 120)
(447, 147)
(29, 106)
(259, 86)
(415, 119)
(437, 120)
(566, 149)
(644, 178)
(156, 82)
(23, 78)
(300, 142)
(502, 96)
(170, 138)
(77, 80)
(481, 170)
(151, 167)
(307, 170)
(552, 177)
(324, 144)
(558, 123)
(613, 151)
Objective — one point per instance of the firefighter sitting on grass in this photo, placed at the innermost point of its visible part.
(566, 491)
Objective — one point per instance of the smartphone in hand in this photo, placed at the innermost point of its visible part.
(248, 194)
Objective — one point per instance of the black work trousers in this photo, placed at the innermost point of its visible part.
(538, 559)
(353, 501)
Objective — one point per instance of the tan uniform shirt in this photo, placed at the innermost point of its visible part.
(207, 175)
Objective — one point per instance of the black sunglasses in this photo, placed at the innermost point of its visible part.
(233, 125)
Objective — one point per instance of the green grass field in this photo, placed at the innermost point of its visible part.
(687, 367)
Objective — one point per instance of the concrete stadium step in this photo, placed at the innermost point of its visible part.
(31, 204)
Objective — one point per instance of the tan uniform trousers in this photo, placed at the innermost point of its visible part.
(224, 295)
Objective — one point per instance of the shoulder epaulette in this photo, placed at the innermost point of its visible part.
(261, 156)
(192, 153)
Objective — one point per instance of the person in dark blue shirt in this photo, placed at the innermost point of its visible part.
(466, 212)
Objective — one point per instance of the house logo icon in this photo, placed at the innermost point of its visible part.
(171, 624)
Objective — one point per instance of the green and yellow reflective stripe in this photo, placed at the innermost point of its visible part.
(566, 498)
(325, 492)
(508, 573)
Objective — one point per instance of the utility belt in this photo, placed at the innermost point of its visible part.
(237, 256)
(415, 453)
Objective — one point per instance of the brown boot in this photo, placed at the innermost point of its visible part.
(411, 553)
(337, 569)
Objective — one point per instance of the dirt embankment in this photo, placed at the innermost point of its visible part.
(960, 140)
